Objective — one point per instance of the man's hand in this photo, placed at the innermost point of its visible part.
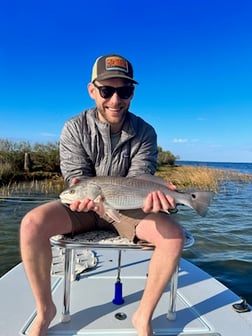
(84, 205)
(157, 201)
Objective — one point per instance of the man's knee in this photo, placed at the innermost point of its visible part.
(28, 227)
(157, 228)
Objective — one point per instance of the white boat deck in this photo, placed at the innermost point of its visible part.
(204, 306)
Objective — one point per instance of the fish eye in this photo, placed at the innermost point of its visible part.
(72, 191)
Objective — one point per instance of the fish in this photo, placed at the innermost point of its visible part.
(114, 193)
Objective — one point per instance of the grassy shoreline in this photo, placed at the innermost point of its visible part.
(191, 177)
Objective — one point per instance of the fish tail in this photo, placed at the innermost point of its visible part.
(200, 201)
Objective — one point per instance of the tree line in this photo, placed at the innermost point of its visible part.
(17, 158)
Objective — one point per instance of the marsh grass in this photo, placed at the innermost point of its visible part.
(203, 178)
(44, 187)
(184, 177)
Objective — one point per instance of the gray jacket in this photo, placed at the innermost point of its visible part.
(85, 147)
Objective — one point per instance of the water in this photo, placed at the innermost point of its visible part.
(223, 239)
(12, 208)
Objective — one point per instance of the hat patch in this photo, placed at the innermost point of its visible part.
(116, 63)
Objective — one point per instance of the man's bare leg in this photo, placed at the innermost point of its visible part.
(168, 238)
(36, 229)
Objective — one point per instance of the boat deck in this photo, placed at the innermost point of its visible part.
(204, 306)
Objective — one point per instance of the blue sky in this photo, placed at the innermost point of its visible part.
(193, 60)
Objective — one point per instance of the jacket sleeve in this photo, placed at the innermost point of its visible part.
(144, 152)
(74, 161)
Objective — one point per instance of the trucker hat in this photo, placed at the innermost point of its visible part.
(112, 66)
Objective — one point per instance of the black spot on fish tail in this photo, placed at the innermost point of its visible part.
(200, 201)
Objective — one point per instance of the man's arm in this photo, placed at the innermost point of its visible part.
(144, 155)
(74, 161)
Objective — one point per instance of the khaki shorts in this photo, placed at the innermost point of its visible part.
(89, 221)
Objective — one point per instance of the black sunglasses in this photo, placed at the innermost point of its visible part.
(124, 92)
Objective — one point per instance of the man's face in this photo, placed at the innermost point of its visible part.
(113, 109)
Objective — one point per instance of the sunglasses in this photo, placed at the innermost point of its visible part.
(124, 92)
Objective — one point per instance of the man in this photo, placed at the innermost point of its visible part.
(105, 140)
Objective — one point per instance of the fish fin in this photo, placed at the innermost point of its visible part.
(101, 208)
(152, 178)
(114, 214)
(105, 209)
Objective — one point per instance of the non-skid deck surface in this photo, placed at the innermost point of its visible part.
(92, 310)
